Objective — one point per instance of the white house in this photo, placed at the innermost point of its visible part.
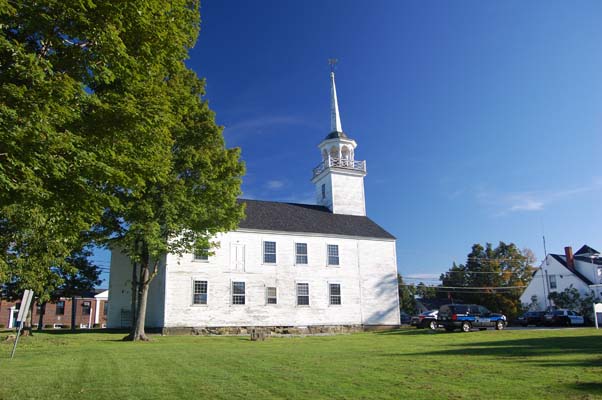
(309, 267)
(583, 271)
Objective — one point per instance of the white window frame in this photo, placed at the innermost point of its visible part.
(232, 293)
(328, 255)
(306, 254)
(200, 260)
(206, 294)
(553, 281)
(268, 297)
(297, 294)
(330, 294)
(263, 253)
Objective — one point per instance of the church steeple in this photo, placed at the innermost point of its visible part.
(339, 178)
(335, 118)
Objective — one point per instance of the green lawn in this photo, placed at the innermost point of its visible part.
(410, 364)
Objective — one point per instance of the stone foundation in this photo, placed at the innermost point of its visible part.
(276, 330)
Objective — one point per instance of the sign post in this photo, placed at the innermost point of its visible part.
(22, 316)
(597, 310)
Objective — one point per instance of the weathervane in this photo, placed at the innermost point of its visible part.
(332, 62)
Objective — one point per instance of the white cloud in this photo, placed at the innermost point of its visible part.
(260, 125)
(530, 201)
(274, 184)
(426, 277)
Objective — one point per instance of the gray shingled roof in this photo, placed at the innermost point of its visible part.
(585, 249)
(336, 135)
(305, 218)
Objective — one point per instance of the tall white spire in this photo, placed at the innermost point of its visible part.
(335, 118)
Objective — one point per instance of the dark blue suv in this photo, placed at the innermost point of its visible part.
(468, 316)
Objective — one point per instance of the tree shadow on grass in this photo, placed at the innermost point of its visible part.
(80, 331)
(594, 388)
(531, 347)
(407, 332)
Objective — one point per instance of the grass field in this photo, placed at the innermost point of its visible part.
(410, 364)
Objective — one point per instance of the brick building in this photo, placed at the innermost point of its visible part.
(90, 311)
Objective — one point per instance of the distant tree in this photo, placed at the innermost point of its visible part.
(407, 300)
(487, 273)
(571, 299)
(426, 292)
(74, 276)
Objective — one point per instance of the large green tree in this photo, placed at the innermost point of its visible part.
(493, 277)
(102, 125)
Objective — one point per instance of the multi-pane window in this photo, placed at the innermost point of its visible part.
(335, 293)
(302, 294)
(199, 294)
(323, 191)
(238, 293)
(269, 252)
(105, 308)
(272, 295)
(86, 308)
(201, 255)
(60, 307)
(552, 279)
(301, 253)
(333, 254)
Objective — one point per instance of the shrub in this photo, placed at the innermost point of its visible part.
(48, 326)
(2, 326)
(66, 327)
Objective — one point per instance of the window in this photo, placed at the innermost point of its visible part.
(301, 253)
(271, 295)
(86, 308)
(269, 252)
(333, 254)
(552, 281)
(335, 293)
(60, 307)
(302, 294)
(199, 294)
(105, 308)
(599, 274)
(238, 293)
(40, 308)
(201, 255)
(323, 191)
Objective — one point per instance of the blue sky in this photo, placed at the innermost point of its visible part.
(479, 121)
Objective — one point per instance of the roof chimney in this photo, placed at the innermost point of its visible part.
(570, 261)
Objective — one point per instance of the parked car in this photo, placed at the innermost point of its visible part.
(427, 319)
(563, 318)
(531, 318)
(404, 318)
(468, 316)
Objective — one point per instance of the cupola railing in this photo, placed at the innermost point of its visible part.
(340, 163)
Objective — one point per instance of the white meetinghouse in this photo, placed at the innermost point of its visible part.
(288, 267)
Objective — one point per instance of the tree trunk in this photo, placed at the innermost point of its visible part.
(145, 276)
(139, 333)
(29, 319)
(134, 299)
(73, 312)
(41, 316)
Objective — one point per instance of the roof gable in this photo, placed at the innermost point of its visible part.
(585, 249)
(306, 218)
(578, 274)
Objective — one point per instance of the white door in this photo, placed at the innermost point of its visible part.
(237, 257)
